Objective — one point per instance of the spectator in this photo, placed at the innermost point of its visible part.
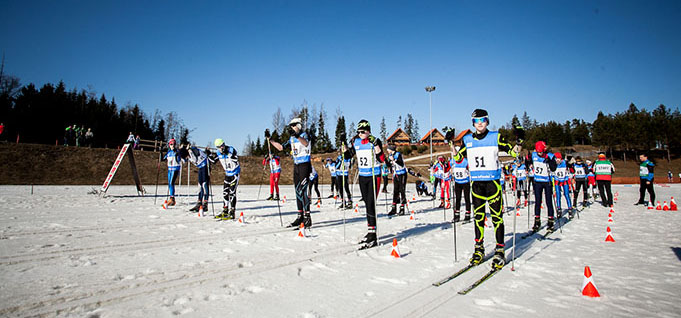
(131, 139)
(670, 176)
(67, 135)
(137, 143)
(89, 136)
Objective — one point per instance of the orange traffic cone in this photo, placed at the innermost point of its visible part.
(414, 198)
(395, 252)
(658, 207)
(672, 205)
(610, 218)
(200, 214)
(517, 212)
(284, 201)
(665, 207)
(609, 238)
(356, 207)
(411, 215)
(301, 231)
(588, 287)
(241, 217)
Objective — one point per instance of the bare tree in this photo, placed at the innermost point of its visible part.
(278, 122)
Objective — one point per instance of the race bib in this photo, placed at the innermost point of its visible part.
(541, 169)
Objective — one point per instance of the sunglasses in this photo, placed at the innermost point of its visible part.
(480, 120)
(362, 131)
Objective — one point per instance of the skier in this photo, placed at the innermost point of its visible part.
(670, 176)
(230, 162)
(520, 174)
(385, 171)
(199, 158)
(543, 163)
(301, 149)
(314, 182)
(580, 170)
(481, 148)
(331, 165)
(174, 169)
(370, 156)
(343, 166)
(591, 178)
(604, 170)
(561, 182)
(462, 185)
(275, 172)
(399, 179)
(443, 173)
(434, 179)
(646, 173)
(421, 187)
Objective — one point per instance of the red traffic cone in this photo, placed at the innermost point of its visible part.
(665, 207)
(610, 218)
(658, 207)
(200, 214)
(395, 252)
(411, 215)
(588, 287)
(517, 212)
(356, 207)
(612, 210)
(672, 205)
(164, 205)
(301, 231)
(284, 200)
(651, 205)
(609, 238)
(241, 217)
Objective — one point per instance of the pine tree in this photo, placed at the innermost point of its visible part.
(384, 132)
(399, 121)
(340, 131)
(351, 130)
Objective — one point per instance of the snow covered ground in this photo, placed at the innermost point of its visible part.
(67, 253)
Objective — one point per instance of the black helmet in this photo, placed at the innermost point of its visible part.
(363, 125)
(479, 115)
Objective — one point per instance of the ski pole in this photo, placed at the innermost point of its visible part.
(373, 183)
(343, 184)
(555, 207)
(453, 184)
(260, 182)
(158, 172)
(528, 204)
(514, 246)
(210, 188)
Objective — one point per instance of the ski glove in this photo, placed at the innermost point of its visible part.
(267, 133)
(450, 134)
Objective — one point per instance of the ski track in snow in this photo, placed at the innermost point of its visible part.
(67, 253)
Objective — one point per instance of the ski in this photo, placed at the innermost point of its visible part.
(462, 271)
(455, 275)
(479, 282)
(546, 235)
(528, 234)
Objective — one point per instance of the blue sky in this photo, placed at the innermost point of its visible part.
(226, 66)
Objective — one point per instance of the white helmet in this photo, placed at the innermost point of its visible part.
(296, 122)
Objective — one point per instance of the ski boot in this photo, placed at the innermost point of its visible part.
(270, 198)
(225, 215)
(457, 217)
(550, 226)
(401, 210)
(232, 212)
(319, 201)
(307, 220)
(537, 224)
(298, 220)
(442, 204)
(205, 206)
(330, 197)
(348, 205)
(341, 206)
(449, 205)
(171, 201)
(276, 197)
(571, 214)
(369, 241)
(467, 217)
(196, 207)
(478, 254)
(499, 259)
(393, 211)
(639, 203)
(585, 204)
(559, 213)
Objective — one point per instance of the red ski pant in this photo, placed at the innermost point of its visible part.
(444, 186)
(274, 182)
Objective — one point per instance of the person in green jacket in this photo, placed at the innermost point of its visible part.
(646, 173)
